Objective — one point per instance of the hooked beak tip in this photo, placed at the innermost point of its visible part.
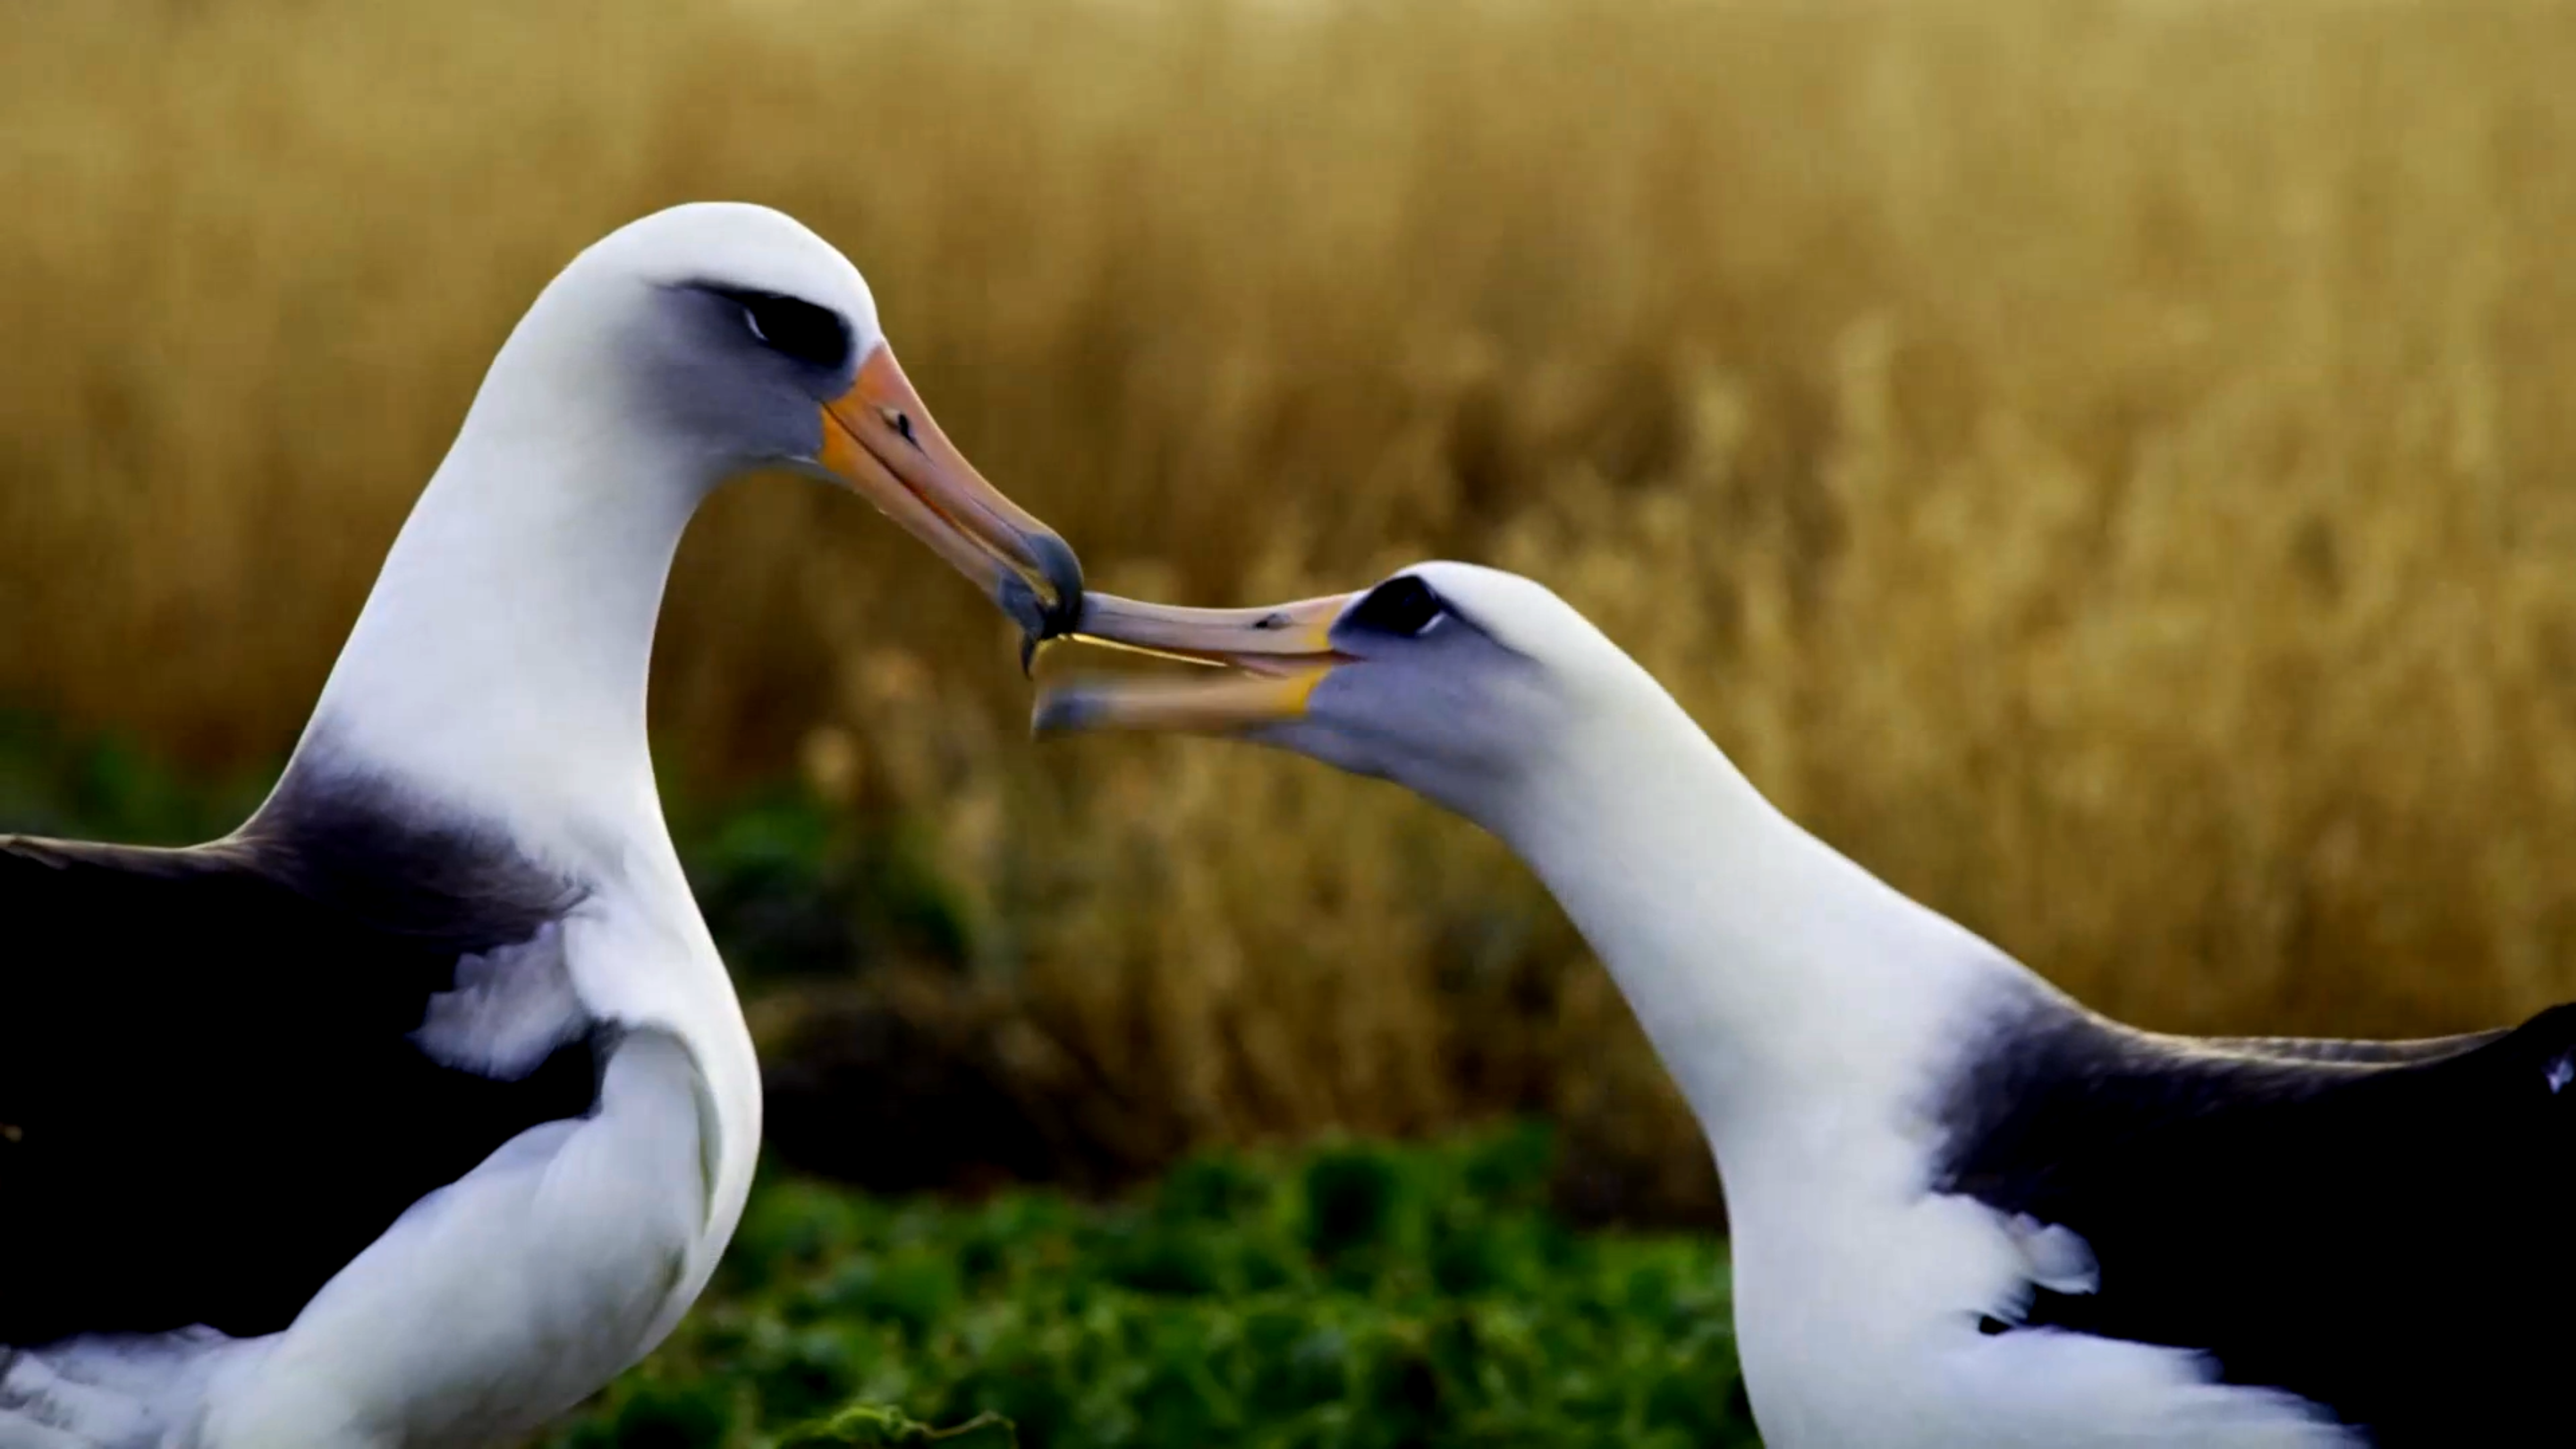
(1039, 616)
(1057, 564)
(1042, 618)
(1021, 602)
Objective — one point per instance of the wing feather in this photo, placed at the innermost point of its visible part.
(2381, 1232)
(225, 1070)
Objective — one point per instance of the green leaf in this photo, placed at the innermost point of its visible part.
(879, 1427)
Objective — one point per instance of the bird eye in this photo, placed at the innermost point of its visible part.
(815, 336)
(1403, 606)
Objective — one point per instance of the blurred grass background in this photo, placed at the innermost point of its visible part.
(2107, 465)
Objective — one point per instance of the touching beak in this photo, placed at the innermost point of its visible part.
(1270, 661)
(880, 440)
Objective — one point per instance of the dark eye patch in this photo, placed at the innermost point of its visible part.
(1403, 606)
(815, 336)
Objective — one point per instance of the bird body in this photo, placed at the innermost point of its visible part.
(410, 1113)
(315, 1156)
(1965, 1210)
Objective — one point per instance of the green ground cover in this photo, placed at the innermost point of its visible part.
(1354, 1296)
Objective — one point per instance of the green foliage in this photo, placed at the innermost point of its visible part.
(54, 782)
(1360, 1296)
(794, 887)
(874, 1426)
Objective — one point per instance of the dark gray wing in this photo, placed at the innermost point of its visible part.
(2382, 1232)
(226, 1070)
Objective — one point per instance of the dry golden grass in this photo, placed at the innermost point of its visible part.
(2110, 467)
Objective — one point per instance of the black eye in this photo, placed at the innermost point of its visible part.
(1404, 606)
(812, 335)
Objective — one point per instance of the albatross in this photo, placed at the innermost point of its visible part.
(418, 1107)
(1966, 1210)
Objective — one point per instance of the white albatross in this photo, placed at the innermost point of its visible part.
(420, 1106)
(1966, 1211)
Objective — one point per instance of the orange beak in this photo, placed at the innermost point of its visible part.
(1269, 662)
(881, 441)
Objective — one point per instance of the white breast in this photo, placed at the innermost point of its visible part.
(502, 1299)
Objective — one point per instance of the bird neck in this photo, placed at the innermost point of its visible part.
(501, 661)
(1766, 968)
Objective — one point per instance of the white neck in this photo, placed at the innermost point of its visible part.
(501, 660)
(1769, 971)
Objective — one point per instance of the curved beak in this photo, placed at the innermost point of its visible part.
(880, 441)
(1267, 664)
